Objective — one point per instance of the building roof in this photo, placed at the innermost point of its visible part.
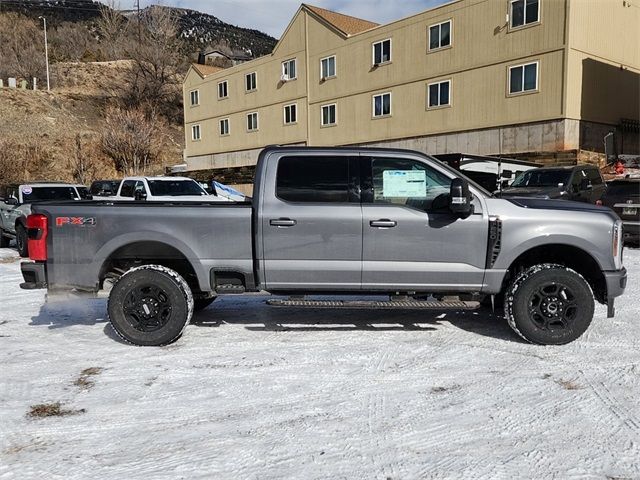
(233, 56)
(205, 70)
(344, 23)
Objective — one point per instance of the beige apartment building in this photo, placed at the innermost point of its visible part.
(537, 79)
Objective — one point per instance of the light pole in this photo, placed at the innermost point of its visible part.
(46, 51)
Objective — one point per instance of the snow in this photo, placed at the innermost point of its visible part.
(252, 391)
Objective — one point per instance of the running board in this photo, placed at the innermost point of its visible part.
(387, 305)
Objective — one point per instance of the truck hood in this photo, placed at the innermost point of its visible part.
(547, 204)
(536, 192)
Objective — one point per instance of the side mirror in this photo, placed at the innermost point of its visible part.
(459, 197)
(139, 195)
(506, 174)
(11, 201)
(585, 184)
(88, 197)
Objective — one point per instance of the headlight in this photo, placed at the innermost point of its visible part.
(616, 244)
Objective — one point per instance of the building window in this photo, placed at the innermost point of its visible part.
(382, 105)
(440, 35)
(195, 98)
(252, 122)
(439, 94)
(250, 82)
(523, 78)
(195, 133)
(524, 12)
(328, 115)
(328, 67)
(321, 179)
(224, 126)
(382, 52)
(290, 114)
(289, 70)
(223, 89)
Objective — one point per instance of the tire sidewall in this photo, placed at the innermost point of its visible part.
(179, 296)
(21, 241)
(532, 280)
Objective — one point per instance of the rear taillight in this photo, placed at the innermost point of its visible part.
(37, 229)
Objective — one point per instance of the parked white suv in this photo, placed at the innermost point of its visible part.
(165, 189)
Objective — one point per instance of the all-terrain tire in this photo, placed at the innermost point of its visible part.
(150, 306)
(202, 303)
(21, 241)
(549, 304)
(4, 241)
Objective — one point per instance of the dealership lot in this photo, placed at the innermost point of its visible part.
(252, 391)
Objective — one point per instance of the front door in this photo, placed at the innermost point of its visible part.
(411, 240)
(312, 226)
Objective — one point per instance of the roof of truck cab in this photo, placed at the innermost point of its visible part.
(164, 179)
(48, 184)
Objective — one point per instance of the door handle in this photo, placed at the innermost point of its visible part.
(383, 223)
(282, 222)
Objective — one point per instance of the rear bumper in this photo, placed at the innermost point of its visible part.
(630, 230)
(34, 275)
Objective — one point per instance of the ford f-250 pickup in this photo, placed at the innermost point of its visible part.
(336, 221)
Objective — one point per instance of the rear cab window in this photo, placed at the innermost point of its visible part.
(127, 188)
(42, 194)
(317, 179)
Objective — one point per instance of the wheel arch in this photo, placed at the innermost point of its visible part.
(563, 254)
(128, 252)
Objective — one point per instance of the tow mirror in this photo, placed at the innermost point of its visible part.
(11, 201)
(506, 174)
(139, 195)
(585, 184)
(459, 197)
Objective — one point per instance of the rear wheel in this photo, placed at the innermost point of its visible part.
(150, 306)
(549, 304)
(21, 241)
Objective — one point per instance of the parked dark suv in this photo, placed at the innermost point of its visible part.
(580, 183)
(623, 197)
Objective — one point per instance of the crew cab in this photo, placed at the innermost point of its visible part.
(580, 183)
(348, 221)
(15, 206)
(164, 189)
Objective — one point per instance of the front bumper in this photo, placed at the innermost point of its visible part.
(34, 275)
(616, 283)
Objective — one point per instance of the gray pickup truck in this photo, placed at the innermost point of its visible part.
(336, 221)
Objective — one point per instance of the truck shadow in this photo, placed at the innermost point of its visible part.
(256, 316)
(263, 318)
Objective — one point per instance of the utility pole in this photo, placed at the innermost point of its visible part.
(137, 5)
(46, 51)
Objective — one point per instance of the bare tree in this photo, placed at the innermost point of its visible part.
(113, 28)
(21, 47)
(132, 138)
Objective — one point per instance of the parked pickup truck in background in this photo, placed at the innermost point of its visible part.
(623, 197)
(580, 183)
(164, 189)
(15, 206)
(335, 221)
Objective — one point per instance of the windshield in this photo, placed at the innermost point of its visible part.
(41, 194)
(175, 188)
(542, 178)
(628, 189)
(100, 187)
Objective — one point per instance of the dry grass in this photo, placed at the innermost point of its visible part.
(568, 384)
(43, 410)
(84, 381)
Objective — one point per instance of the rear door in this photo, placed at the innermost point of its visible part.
(312, 223)
(411, 240)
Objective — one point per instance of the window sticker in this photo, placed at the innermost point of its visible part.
(404, 183)
(27, 190)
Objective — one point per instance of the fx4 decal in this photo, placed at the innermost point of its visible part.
(75, 221)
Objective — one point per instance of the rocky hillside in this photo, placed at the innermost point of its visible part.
(198, 30)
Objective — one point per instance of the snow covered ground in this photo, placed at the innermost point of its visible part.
(261, 393)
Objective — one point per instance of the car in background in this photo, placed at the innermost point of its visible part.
(164, 189)
(580, 183)
(104, 188)
(623, 197)
(15, 206)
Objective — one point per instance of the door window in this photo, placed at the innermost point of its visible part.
(127, 188)
(410, 183)
(313, 179)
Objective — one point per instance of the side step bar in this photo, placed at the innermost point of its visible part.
(373, 304)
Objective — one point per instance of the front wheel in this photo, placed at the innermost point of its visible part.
(549, 304)
(21, 241)
(150, 306)
(4, 241)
